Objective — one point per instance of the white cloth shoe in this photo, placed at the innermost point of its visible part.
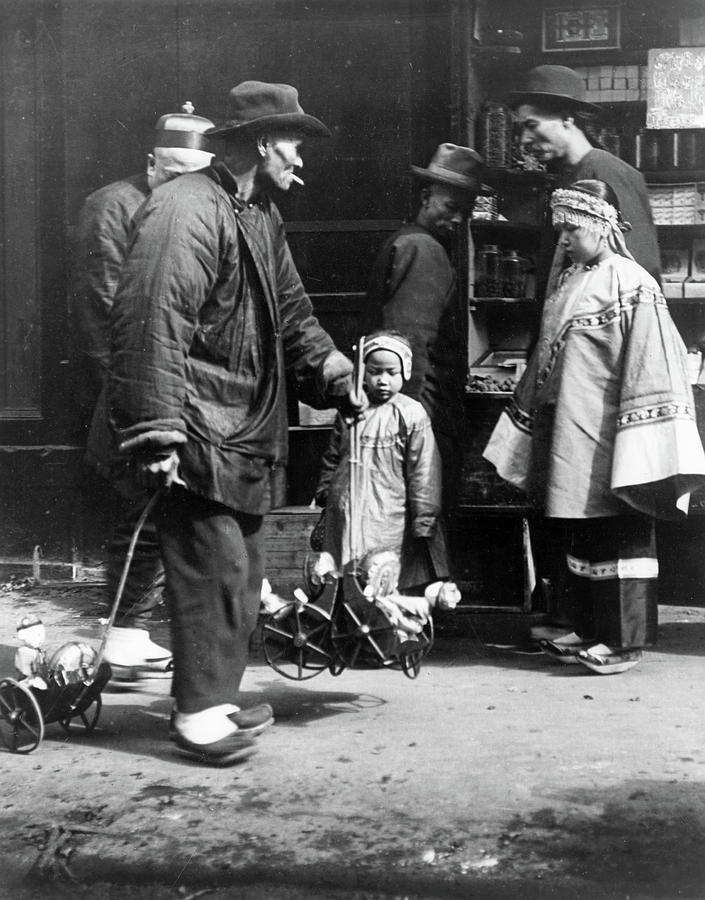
(132, 655)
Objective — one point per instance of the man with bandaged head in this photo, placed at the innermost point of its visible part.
(101, 244)
(101, 241)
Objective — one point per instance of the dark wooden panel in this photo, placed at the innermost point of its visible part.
(480, 484)
(20, 326)
(334, 262)
(121, 74)
(491, 563)
(339, 315)
(222, 43)
(306, 447)
(38, 498)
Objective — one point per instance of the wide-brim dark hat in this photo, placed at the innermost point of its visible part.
(460, 167)
(257, 106)
(553, 83)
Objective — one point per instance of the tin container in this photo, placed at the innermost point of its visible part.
(486, 208)
(496, 135)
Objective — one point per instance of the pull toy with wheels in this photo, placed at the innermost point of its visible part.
(357, 618)
(65, 689)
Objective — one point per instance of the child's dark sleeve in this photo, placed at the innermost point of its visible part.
(423, 479)
(330, 460)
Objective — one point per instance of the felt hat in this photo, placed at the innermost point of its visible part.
(457, 166)
(257, 106)
(553, 83)
(182, 129)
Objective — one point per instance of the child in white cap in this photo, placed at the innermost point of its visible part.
(399, 473)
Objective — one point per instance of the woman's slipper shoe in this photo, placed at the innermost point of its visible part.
(564, 649)
(605, 661)
(547, 632)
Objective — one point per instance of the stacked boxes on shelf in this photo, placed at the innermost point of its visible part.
(613, 84)
(678, 204)
(683, 266)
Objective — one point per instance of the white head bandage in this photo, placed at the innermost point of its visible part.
(394, 344)
(583, 210)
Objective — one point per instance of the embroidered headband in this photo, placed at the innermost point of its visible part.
(394, 344)
(584, 210)
(574, 207)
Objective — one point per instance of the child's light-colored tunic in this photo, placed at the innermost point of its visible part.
(399, 502)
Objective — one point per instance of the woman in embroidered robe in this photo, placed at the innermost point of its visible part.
(601, 431)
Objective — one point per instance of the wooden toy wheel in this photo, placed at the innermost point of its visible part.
(412, 653)
(83, 720)
(337, 666)
(21, 723)
(362, 635)
(296, 641)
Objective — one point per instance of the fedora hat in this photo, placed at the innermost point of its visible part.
(553, 83)
(460, 167)
(183, 129)
(256, 106)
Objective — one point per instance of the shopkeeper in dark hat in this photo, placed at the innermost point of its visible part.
(209, 319)
(557, 127)
(413, 290)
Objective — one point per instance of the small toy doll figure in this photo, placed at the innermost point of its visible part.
(379, 571)
(30, 659)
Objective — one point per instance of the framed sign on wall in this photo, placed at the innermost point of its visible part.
(569, 28)
(675, 94)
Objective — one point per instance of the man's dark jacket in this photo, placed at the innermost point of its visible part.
(102, 233)
(209, 317)
(413, 289)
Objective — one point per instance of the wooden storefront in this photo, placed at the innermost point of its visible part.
(83, 82)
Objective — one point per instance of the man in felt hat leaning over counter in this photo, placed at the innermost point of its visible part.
(557, 127)
(209, 318)
(100, 246)
(413, 289)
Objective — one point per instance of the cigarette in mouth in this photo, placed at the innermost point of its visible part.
(296, 178)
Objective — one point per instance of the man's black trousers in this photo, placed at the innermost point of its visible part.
(214, 563)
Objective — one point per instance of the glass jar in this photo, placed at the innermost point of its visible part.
(646, 154)
(488, 278)
(513, 274)
(685, 149)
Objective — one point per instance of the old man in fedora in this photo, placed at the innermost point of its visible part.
(413, 289)
(209, 319)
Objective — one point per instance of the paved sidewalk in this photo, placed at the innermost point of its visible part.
(495, 774)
